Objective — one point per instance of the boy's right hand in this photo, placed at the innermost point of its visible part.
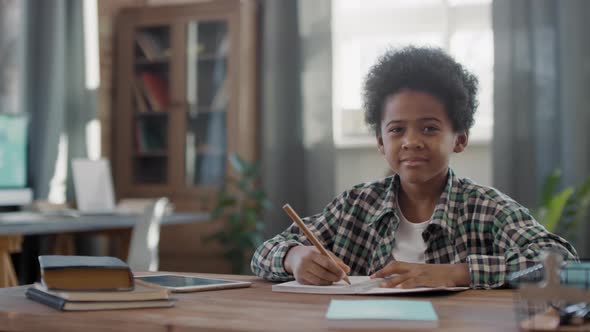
(310, 267)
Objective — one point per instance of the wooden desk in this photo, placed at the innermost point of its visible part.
(117, 225)
(250, 309)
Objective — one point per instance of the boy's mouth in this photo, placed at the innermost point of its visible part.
(414, 161)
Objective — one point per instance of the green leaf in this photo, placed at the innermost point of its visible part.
(255, 239)
(555, 208)
(253, 171)
(539, 213)
(222, 205)
(584, 189)
(218, 236)
(549, 186)
(232, 220)
(583, 203)
(243, 184)
(257, 194)
(238, 163)
(267, 204)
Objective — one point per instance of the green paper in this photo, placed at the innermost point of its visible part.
(381, 309)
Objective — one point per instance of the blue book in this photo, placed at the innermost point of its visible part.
(381, 314)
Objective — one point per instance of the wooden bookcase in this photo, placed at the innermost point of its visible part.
(185, 98)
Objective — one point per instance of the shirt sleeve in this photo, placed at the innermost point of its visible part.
(518, 241)
(268, 258)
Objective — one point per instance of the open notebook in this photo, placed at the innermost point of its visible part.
(359, 285)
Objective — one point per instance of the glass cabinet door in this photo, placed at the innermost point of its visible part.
(151, 98)
(207, 102)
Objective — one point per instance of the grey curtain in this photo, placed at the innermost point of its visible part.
(55, 94)
(297, 149)
(10, 54)
(542, 77)
(281, 139)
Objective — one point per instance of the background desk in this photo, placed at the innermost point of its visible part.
(249, 309)
(117, 226)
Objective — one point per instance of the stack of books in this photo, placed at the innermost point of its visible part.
(81, 283)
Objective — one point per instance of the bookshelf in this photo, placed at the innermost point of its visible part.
(185, 98)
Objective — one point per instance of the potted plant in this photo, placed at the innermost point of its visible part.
(562, 212)
(240, 204)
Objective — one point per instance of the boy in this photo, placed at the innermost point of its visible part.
(424, 224)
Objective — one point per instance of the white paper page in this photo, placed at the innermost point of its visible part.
(359, 285)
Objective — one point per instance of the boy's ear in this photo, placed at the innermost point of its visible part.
(461, 142)
(380, 143)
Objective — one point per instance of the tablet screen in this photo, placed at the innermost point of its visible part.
(181, 281)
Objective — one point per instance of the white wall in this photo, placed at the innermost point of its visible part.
(356, 165)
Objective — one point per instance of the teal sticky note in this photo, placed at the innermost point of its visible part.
(381, 310)
(13, 149)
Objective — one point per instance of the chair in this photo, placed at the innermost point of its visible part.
(8, 244)
(145, 237)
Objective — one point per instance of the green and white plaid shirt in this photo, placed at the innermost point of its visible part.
(478, 225)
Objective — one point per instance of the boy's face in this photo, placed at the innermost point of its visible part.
(417, 137)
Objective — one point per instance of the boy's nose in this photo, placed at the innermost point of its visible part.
(412, 141)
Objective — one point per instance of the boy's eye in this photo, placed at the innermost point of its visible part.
(430, 129)
(396, 130)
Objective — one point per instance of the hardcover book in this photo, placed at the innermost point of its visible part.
(85, 273)
(65, 305)
(139, 293)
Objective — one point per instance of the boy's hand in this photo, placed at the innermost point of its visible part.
(411, 275)
(310, 267)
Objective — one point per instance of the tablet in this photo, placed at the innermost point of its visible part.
(178, 283)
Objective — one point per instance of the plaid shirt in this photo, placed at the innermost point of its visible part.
(471, 224)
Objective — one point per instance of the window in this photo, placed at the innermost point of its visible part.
(363, 29)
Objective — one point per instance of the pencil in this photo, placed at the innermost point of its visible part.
(293, 215)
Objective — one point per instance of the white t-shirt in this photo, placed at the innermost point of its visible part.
(409, 244)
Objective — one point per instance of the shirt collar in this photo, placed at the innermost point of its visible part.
(388, 203)
(440, 217)
(442, 211)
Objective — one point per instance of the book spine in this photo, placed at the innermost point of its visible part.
(44, 298)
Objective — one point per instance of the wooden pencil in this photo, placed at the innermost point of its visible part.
(293, 215)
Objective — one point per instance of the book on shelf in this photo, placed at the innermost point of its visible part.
(150, 46)
(62, 304)
(140, 292)
(155, 88)
(387, 314)
(150, 138)
(150, 102)
(223, 47)
(220, 99)
(361, 285)
(139, 96)
(85, 273)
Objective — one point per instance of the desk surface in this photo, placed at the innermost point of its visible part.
(249, 309)
(88, 223)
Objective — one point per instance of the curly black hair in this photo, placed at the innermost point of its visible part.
(423, 69)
